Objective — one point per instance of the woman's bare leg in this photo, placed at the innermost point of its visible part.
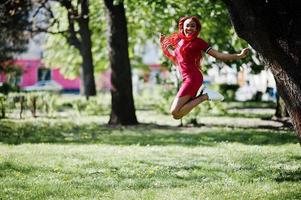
(177, 104)
(181, 106)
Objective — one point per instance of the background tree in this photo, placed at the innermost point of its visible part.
(78, 35)
(123, 109)
(273, 30)
(58, 52)
(281, 111)
(14, 23)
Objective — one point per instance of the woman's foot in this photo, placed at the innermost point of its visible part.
(213, 95)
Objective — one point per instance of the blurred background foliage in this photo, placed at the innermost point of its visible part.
(145, 21)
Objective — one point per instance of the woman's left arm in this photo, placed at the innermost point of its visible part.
(228, 57)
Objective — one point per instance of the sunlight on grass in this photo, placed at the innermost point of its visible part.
(80, 157)
(106, 171)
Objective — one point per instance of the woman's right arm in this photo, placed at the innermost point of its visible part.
(168, 51)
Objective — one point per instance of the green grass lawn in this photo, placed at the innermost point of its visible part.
(82, 158)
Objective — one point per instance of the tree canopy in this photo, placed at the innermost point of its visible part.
(14, 23)
(145, 20)
(59, 53)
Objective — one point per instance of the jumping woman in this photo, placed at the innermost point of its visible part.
(184, 48)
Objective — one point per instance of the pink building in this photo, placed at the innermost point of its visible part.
(34, 71)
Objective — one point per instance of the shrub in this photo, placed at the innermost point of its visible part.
(93, 106)
(6, 88)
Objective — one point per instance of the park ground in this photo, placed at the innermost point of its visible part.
(242, 154)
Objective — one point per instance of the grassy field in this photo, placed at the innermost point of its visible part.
(241, 155)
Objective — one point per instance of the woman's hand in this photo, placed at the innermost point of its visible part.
(243, 53)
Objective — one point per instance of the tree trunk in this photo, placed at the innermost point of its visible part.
(123, 109)
(281, 111)
(272, 27)
(82, 41)
(86, 52)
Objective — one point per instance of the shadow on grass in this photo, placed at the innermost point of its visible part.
(250, 104)
(289, 175)
(143, 134)
(244, 115)
(13, 167)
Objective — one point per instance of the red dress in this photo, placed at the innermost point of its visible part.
(188, 55)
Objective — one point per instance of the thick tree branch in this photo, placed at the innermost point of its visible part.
(46, 30)
(72, 36)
